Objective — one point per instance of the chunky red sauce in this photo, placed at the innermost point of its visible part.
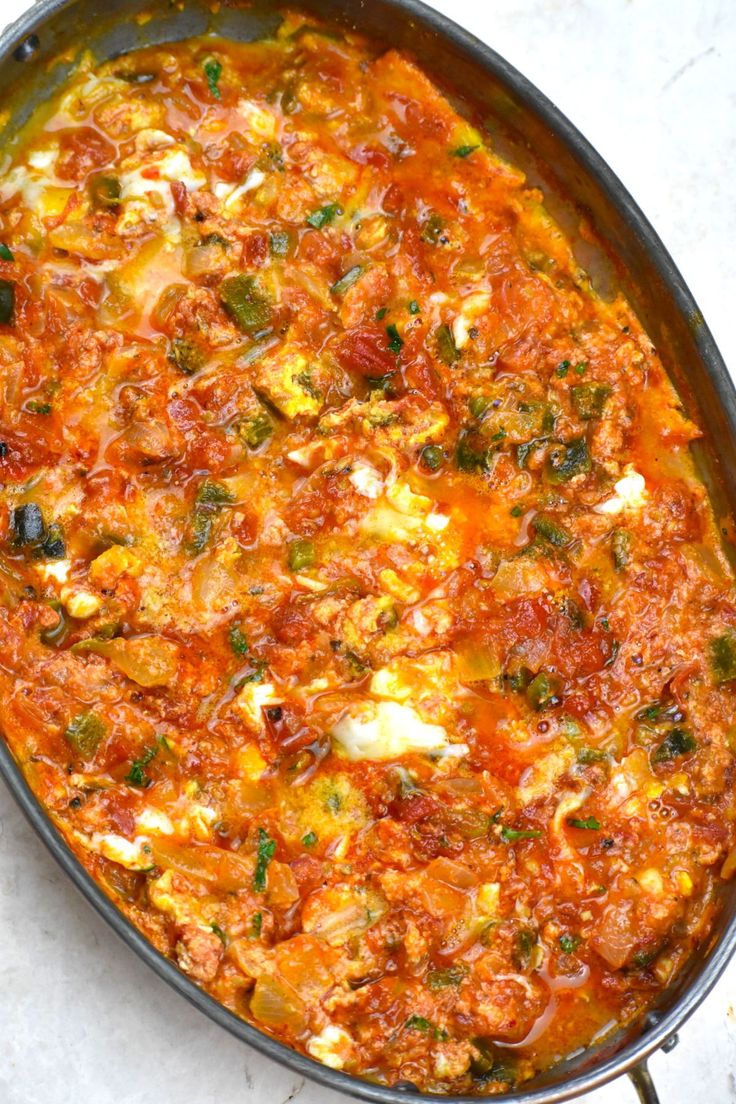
(365, 629)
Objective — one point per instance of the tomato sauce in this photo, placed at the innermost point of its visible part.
(365, 627)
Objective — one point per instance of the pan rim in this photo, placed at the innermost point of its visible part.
(658, 1033)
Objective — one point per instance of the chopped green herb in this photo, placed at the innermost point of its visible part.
(485, 1065)
(585, 824)
(258, 670)
(265, 852)
(723, 656)
(562, 369)
(417, 1023)
(219, 933)
(83, 734)
(256, 924)
(569, 943)
(213, 71)
(381, 313)
(566, 461)
(137, 776)
(414, 307)
(5, 253)
(581, 368)
(309, 840)
(347, 280)
(432, 457)
(516, 511)
(36, 407)
(395, 340)
(301, 554)
(544, 691)
(447, 351)
(678, 742)
(323, 216)
(510, 835)
(237, 640)
(246, 303)
(464, 151)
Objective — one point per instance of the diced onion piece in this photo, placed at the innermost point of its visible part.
(276, 1005)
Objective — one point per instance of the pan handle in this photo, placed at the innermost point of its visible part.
(642, 1081)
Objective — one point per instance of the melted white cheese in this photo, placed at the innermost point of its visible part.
(386, 730)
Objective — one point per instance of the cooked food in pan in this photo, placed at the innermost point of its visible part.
(365, 628)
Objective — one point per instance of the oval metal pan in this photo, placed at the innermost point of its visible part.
(582, 187)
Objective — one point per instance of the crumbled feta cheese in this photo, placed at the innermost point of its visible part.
(43, 158)
(366, 479)
(80, 603)
(472, 308)
(386, 730)
(129, 853)
(630, 494)
(253, 698)
(258, 119)
(58, 570)
(231, 193)
(153, 821)
(332, 1047)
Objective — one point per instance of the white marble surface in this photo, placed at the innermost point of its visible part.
(653, 84)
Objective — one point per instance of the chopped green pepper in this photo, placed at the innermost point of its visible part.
(211, 493)
(246, 303)
(544, 691)
(28, 523)
(468, 457)
(676, 743)
(447, 351)
(621, 548)
(104, 191)
(187, 357)
(562, 369)
(432, 457)
(548, 528)
(347, 280)
(280, 243)
(254, 431)
(301, 554)
(309, 840)
(566, 461)
(414, 307)
(7, 302)
(723, 656)
(36, 407)
(5, 253)
(589, 399)
(450, 976)
(83, 734)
